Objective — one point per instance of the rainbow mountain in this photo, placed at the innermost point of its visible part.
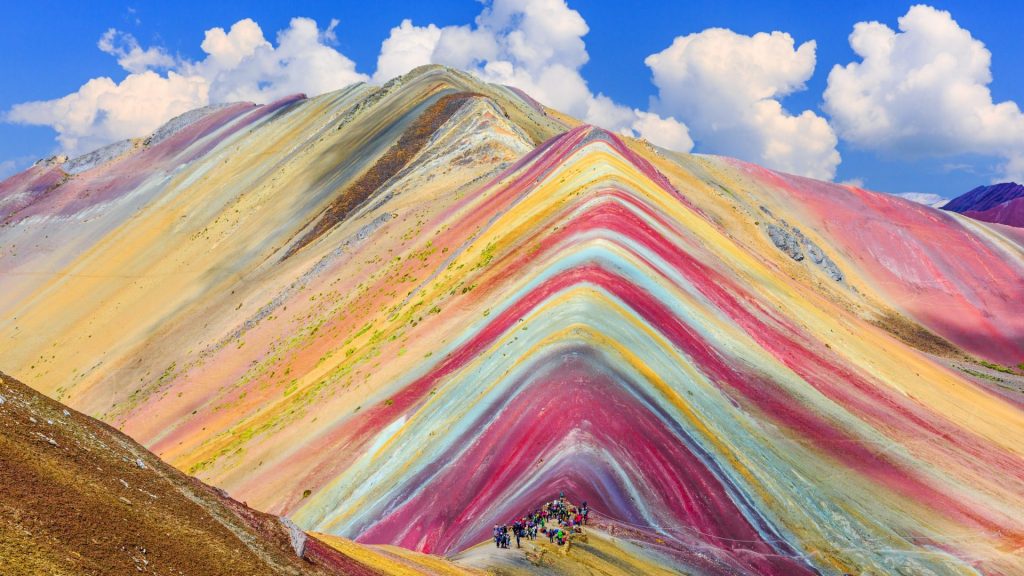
(402, 314)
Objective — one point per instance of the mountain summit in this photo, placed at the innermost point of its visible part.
(403, 314)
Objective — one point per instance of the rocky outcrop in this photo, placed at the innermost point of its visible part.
(182, 121)
(296, 536)
(792, 241)
(98, 157)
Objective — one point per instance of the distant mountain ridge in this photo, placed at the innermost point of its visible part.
(998, 203)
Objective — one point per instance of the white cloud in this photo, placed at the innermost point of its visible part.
(227, 50)
(666, 132)
(7, 168)
(923, 91)
(103, 111)
(405, 48)
(926, 198)
(12, 166)
(130, 55)
(535, 45)
(240, 64)
(855, 182)
(726, 87)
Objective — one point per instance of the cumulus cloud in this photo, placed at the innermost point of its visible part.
(722, 88)
(240, 64)
(7, 168)
(103, 111)
(923, 91)
(726, 88)
(926, 198)
(535, 45)
(130, 55)
(671, 133)
(405, 48)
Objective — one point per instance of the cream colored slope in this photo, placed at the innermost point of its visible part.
(198, 236)
(395, 561)
(598, 554)
(216, 223)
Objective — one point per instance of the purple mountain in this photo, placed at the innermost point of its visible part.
(999, 203)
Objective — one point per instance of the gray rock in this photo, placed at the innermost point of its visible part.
(97, 157)
(793, 242)
(182, 121)
(786, 241)
(52, 160)
(297, 535)
(821, 260)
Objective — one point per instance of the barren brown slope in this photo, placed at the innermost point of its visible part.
(79, 497)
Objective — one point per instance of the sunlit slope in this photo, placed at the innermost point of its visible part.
(176, 228)
(404, 314)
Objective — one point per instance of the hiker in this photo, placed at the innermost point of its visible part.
(568, 520)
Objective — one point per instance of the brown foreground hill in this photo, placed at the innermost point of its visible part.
(81, 498)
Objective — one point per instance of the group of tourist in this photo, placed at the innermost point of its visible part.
(556, 520)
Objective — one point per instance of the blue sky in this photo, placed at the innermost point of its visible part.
(52, 51)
